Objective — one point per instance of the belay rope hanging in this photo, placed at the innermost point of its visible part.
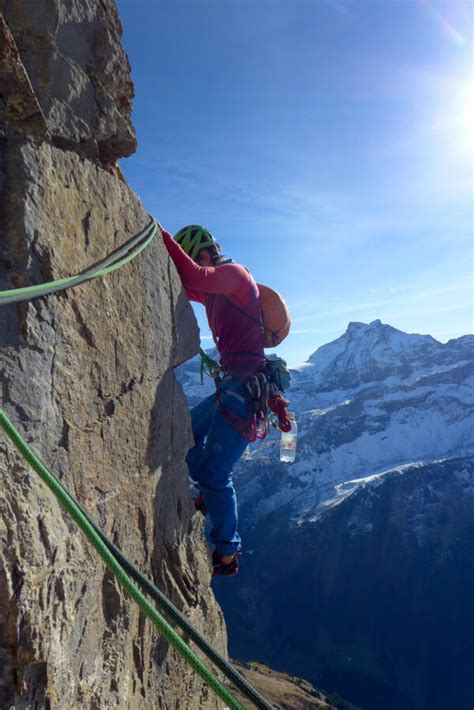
(123, 570)
(118, 258)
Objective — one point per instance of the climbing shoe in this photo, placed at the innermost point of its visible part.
(200, 505)
(224, 569)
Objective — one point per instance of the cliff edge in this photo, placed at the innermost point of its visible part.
(87, 377)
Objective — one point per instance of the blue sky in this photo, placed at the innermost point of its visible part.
(327, 145)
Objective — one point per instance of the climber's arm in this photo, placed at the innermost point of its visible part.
(228, 279)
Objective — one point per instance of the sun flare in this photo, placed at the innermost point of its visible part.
(452, 123)
(464, 117)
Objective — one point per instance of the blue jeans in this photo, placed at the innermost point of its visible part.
(218, 447)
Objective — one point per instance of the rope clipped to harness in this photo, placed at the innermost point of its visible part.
(209, 366)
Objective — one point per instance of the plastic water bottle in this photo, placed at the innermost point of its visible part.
(288, 441)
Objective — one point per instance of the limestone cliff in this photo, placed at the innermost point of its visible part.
(87, 376)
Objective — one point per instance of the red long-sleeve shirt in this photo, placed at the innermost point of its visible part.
(239, 337)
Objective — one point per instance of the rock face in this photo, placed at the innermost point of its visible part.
(289, 692)
(76, 70)
(86, 375)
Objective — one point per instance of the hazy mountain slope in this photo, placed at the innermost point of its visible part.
(374, 599)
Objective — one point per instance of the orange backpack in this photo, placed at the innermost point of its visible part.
(275, 316)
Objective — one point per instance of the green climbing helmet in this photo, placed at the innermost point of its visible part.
(193, 238)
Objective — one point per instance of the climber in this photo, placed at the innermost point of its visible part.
(228, 292)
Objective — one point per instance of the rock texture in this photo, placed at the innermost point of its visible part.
(78, 71)
(288, 692)
(86, 375)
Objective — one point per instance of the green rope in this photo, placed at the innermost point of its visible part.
(208, 365)
(180, 619)
(81, 520)
(114, 261)
(175, 614)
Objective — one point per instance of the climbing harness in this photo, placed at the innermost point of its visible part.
(263, 398)
(113, 261)
(126, 573)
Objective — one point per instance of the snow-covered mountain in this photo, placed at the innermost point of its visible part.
(373, 399)
(342, 547)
